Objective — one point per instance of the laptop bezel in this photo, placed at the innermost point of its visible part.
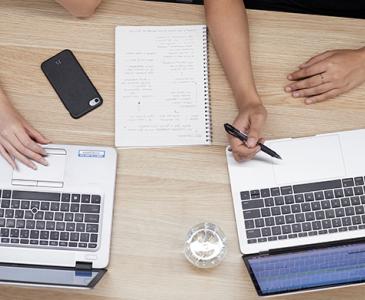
(93, 282)
(246, 258)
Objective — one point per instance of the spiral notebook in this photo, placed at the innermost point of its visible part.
(162, 93)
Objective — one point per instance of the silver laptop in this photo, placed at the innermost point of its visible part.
(301, 221)
(55, 222)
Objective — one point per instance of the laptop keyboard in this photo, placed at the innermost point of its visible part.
(304, 210)
(52, 220)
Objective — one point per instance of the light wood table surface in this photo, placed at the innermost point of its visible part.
(161, 193)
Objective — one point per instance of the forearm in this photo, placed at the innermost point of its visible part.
(80, 8)
(228, 27)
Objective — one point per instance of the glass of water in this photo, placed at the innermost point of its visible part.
(205, 245)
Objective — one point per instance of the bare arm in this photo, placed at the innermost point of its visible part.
(80, 8)
(227, 22)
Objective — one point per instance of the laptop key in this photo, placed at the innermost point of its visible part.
(359, 210)
(252, 241)
(48, 215)
(248, 214)
(333, 230)
(325, 204)
(265, 212)
(6, 194)
(348, 182)
(74, 207)
(326, 224)
(55, 206)
(276, 230)
(351, 228)
(249, 224)
(255, 194)
(335, 203)
(258, 222)
(91, 245)
(346, 221)
(319, 195)
(296, 228)
(282, 237)
(325, 231)
(279, 200)
(339, 193)
(340, 212)
(64, 236)
(24, 241)
(97, 198)
(275, 191)
(54, 235)
(62, 244)
(53, 243)
(349, 192)
(275, 211)
(309, 197)
(299, 218)
(40, 225)
(302, 234)
(330, 213)
(84, 237)
(286, 190)
(316, 225)
(20, 224)
(65, 197)
(15, 204)
(306, 226)
(69, 217)
(356, 220)
(355, 200)
(2, 222)
(264, 231)
(60, 226)
(279, 220)
(312, 233)
(289, 219)
(299, 198)
(95, 228)
(5, 203)
(292, 236)
(50, 225)
(248, 204)
(74, 236)
(358, 190)
(295, 208)
(5, 240)
(245, 195)
(316, 205)
(93, 238)
(359, 181)
(272, 238)
(285, 209)
(87, 198)
(70, 226)
(270, 202)
(65, 206)
(14, 233)
(309, 216)
(75, 198)
(349, 211)
(337, 223)
(306, 207)
(80, 227)
(285, 229)
(329, 194)
(14, 241)
(319, 214)
(34, 234)
(269, 221)
(289, 199)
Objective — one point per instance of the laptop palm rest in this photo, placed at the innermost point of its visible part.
(45, 176)
(308, 159)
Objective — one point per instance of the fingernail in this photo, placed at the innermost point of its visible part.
(44, 162)
(34, 167)
(288, 89)
(295, 94)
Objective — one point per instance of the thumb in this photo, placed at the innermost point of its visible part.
(254, 132)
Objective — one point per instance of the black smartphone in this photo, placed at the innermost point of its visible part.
(71, 84)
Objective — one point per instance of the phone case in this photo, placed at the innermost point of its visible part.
(71, 84)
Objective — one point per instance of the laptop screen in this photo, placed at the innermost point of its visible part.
(49, 276)
(307, 269)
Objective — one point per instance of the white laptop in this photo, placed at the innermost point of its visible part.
(301, 220)
(55, 223)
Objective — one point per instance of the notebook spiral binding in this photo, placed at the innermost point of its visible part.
(207, 107)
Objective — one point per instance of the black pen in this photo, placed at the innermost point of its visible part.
(243, 137)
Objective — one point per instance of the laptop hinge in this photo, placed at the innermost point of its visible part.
(83, 266)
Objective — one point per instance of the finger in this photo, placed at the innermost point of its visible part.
(244, 153)
(16, 154)
(322, 97)
(30, 144)
(7, 157)
(305, 83)
(254, 133)
(27, 152)
(317, 90)
(308, 71)
(36, 135)
(317, 58)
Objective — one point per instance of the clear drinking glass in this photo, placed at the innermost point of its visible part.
(205, 245)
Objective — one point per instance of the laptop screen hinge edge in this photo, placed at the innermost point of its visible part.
(83, 266)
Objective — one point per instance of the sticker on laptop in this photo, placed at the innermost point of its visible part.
(92, 153)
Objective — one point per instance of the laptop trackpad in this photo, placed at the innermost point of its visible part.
(54, 172)
(308, 159)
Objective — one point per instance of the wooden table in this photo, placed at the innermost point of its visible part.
(161, 193)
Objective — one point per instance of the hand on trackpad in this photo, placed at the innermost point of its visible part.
(54, 172)
(308, 159)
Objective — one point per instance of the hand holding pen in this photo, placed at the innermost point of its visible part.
(243, 138)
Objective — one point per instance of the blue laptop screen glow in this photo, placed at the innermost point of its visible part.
(309, 269)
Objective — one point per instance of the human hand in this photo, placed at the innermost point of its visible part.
(328, 75)
(18, 140)
(250, 120)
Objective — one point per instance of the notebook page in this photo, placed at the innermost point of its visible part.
(161, 86)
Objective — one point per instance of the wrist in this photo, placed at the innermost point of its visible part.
(245, 100)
